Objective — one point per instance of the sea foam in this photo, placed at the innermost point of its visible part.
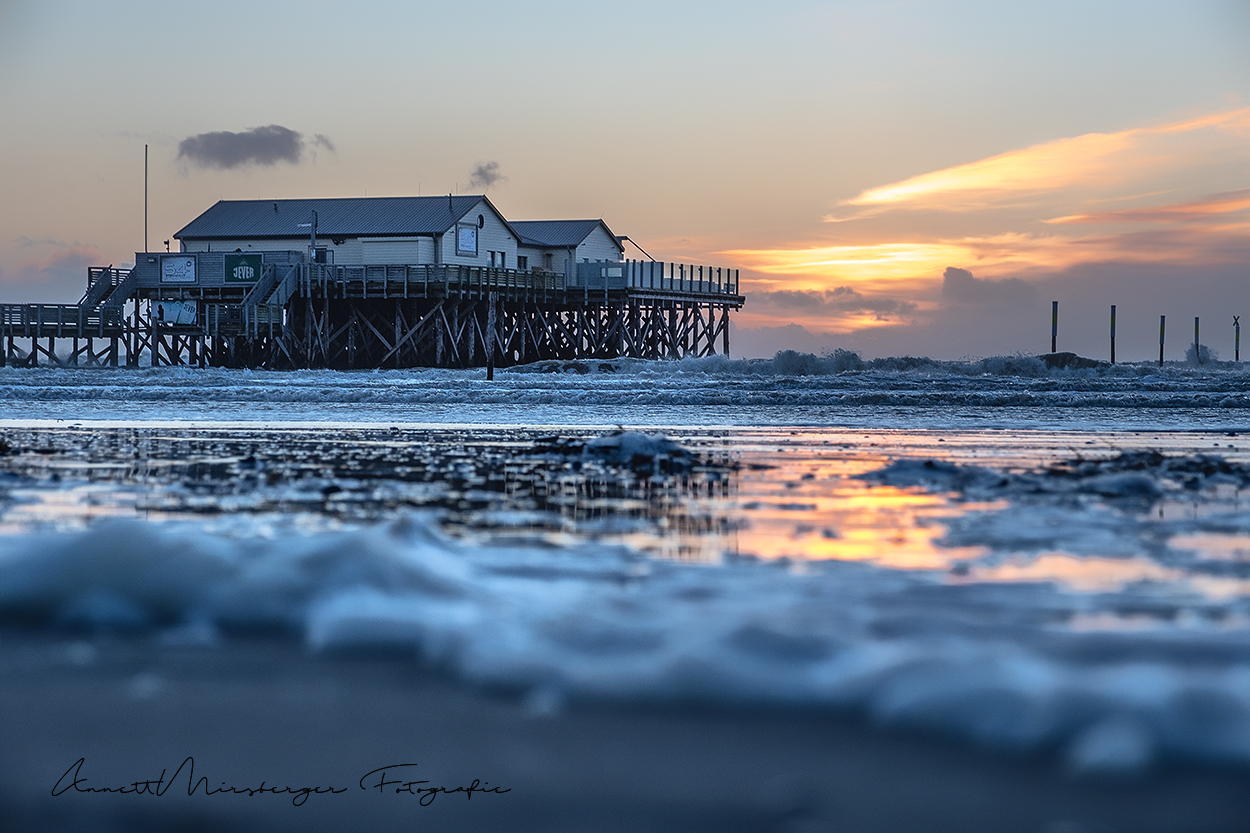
(990, 664)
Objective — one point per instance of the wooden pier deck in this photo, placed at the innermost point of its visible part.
(308, 315)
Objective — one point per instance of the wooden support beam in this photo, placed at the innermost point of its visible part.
(415, 330)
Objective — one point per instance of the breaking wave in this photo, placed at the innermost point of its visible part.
(789, 380)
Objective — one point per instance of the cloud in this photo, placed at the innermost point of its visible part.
(1083, 162)
(1215, 206)
(764, 342)
(842, 299)
(485, 175)
(960, 287)
(61, 277)
(257, 146)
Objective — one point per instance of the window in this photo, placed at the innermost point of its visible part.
(522, 262)
(547, 261)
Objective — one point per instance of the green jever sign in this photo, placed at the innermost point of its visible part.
(242, 268)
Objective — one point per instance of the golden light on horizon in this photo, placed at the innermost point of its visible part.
(918, 266)
(880, 262)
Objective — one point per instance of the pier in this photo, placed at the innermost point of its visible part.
(283, 310)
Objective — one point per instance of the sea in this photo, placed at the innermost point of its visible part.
(1014, 557)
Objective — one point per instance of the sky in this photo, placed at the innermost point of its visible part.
(919, 178)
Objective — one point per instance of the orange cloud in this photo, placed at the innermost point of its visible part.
(1184, 212)
(1077, 162)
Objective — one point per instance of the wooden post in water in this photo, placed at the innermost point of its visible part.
(491, 302)
(1054, 324)
(1113, 333)
(1236, 338)
(1162, 321)
(1197, 343)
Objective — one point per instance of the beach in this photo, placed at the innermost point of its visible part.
(263, 711)
(907, 609)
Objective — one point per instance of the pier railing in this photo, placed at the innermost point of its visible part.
(102, 280)
(665, 277)
(389, 281)
(383, 281)
(55, 320)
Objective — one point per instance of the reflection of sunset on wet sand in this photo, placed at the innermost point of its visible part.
(1083, 573)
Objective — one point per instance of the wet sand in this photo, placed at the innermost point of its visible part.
(263, 710)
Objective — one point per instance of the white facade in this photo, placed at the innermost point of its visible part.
(492, 236)
(408, 251)
(599, 245)
(550, 258)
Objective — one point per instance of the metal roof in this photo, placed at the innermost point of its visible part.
(349, 217)
(563, 233)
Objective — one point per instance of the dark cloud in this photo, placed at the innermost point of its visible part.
(485, 175)
(258, 146)
(960, 287)
(841, 299)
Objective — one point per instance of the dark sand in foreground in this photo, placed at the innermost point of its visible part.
(263, 710)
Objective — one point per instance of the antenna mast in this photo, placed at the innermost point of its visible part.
(145, 197)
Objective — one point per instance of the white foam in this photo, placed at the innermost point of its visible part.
(980, 662)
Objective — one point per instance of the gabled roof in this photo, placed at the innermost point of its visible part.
(562, 233)
(349, 217)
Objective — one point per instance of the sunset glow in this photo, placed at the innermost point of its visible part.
(1023, 215)
(1089, 160)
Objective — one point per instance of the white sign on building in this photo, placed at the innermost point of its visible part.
(178, 269)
